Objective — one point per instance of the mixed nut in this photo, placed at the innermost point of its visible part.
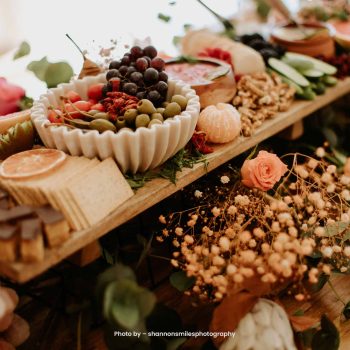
(259, 97)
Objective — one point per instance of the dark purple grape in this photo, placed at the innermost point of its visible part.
(161, 87)
(136, 52)
(114, 65)
(130, 88)
(153, 96)
(148, 59)
(123, 70)
(141, 64)
(130, 71)
(151, 75)
(150, 51)
(158, 63)
(133, 64)
(113, 73)
(136, 77)
(162, 76)
(126, 60)
(141, 94)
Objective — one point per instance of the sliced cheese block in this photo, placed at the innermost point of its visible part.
(12, 119)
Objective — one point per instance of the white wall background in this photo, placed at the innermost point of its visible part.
(43, 23)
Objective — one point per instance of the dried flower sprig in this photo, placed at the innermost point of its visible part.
(242, 234)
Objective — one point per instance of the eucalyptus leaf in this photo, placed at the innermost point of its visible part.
(146, 302)
(322, 280)
(180, 281)
(299, 312)
(147, 245)
(327, 338)
(164, 18)
(51, 73)
(39, 68)
(56, 73)
(331, 136)
(335, 228)
(23, 50)
(346, 236)
(120, 304)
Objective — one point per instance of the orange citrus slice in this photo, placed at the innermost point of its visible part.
(31, 163)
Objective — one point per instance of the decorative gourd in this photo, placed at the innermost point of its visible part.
(221, 123)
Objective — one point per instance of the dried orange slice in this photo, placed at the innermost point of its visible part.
(31, 163)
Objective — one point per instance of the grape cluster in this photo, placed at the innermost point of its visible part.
(266, 49)
(139, 73)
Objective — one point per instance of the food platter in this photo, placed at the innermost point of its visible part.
(159, 189)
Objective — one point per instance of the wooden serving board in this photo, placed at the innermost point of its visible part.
(159, 189)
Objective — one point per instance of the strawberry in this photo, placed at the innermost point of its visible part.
(95, 91)
(73, 96)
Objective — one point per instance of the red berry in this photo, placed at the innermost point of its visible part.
(55, 116)
(83, 105)
(73, 96)
(98, 107)
(95, 91)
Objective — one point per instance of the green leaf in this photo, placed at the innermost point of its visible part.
(346, 236)
(51, 73)
(187, 58)
(299, 312)
(180, 281)
(120, 304)
(146, 301)
(25, 103)
(146, 248)
(187, 27)
(39, 68)
(56, 73)
(164, 18)
(23, 50)
(327, 338)
(346, 310)
(335, 229)
(116, 273)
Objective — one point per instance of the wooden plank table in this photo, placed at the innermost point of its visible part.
(159, 189)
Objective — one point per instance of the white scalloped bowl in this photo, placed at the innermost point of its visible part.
(134, 151)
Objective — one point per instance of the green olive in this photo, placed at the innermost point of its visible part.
(160, 110)
(79, 123)
(142, 120)
(93, 112)
(145, 107)
(180, 100)
(102, 125)
(171, 110)
(120, 123)
(157, 116)
(130, 116)
(153, 122)
(101, 115)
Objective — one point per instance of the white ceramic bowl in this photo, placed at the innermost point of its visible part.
(134, 151)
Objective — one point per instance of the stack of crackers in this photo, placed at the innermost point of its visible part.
(84, 190)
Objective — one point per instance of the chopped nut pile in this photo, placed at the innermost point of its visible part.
(259, 97)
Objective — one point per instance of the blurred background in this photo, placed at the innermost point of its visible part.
(93, 24)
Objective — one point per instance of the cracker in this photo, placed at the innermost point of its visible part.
(103, 190)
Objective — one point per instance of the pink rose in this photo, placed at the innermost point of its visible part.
(263, 172)
(9, 97)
